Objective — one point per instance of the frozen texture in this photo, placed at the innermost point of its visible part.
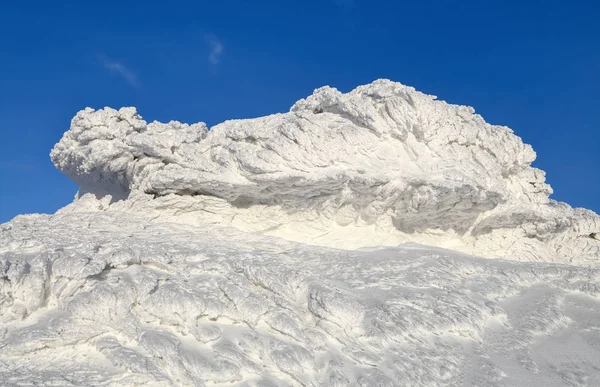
(383, 163)
(112, 298)
(178, 263)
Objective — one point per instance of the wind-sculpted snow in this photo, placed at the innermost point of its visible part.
(112, 298)
(179, 262)
(381, 165)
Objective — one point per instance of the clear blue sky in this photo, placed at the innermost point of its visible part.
(530, 65)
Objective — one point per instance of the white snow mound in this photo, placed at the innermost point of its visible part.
(381, 165)
(178, 263)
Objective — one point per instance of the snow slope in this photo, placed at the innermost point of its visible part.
(109, 297)
(246, 255)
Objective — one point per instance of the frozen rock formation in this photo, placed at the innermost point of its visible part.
(178, 263)
(384, 163)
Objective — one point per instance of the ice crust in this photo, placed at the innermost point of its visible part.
(383, 163)
(179, 262)
(113, 298)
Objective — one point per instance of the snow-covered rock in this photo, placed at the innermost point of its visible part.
(179, 262)
(383, 163)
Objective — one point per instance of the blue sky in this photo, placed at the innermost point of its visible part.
(530, 65)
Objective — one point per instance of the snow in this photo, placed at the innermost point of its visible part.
(302, 249)
(383, 163)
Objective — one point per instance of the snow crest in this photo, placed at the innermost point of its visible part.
(178, 263)
(384, 164)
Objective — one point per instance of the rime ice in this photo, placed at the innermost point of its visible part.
(273, 252)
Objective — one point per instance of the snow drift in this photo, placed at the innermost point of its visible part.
(383, 163)
(114, 298)
(178, 263)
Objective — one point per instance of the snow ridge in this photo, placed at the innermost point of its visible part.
(178, 263)
(383, 163)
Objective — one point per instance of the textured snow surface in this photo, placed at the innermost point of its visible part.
(383, 163)
(246, 255)
(113, 298)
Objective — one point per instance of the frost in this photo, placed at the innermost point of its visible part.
(383, 163)
(214, 305)
(179, 261)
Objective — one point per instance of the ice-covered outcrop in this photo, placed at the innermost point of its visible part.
(143, 281)
(383, 164)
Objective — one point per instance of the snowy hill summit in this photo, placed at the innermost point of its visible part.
(375, 238)
(383, 163)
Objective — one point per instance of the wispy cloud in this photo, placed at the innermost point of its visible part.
(345, 4)
(119, 69)
(215, 49)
